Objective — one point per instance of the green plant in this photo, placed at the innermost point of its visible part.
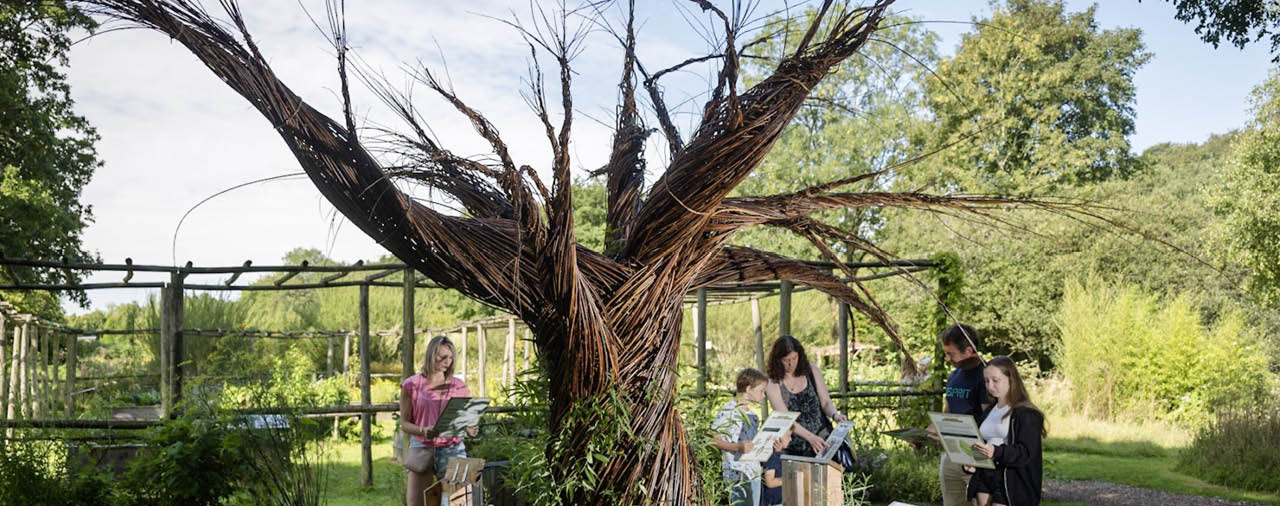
(1129, 354)
(185, 461)
(1238, 449)
(905, 476)
(34, 473)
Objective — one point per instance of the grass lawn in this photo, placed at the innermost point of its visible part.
(1077, 449)
(1141, 456)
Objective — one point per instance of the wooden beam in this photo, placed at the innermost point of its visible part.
(366, 419)
(509, 355)
(334, 277)
(24, 377)
(166, 331)
(235, 275)
(11, 408)
(290, 274)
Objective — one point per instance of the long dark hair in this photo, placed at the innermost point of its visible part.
(781, 348)
(1018, 397)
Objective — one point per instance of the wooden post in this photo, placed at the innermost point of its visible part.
(178, 351)
(784, 308)
(4, 367)
(700, 337)
(73, 343)
(483, 339)
(328, 359)
(163, 338)
(12, 410)
(346, 353)
(509, 355)
(24, 378)
(406, 335)
(758, 330)
(39, 373)
(366, 419)
(528, 347)
(462, 354)
(842, 339)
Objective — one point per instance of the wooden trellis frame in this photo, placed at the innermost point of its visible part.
(16, 407)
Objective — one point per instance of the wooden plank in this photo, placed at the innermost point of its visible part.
(528, 347)
(328, 359)
(366, 419)
(406, 336)
(700, 338)
(346, 354)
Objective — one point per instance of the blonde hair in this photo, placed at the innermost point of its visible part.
(432, 347)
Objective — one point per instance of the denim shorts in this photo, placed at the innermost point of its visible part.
(443, 454)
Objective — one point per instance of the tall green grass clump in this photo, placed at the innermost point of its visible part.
(1130, 355)
(1240, 448)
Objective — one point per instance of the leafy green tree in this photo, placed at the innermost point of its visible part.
(1036, 98)
(1248, 198)
(46, 149)
(1239, 22)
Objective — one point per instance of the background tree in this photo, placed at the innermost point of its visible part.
(1248, 196)
(1040, 97)
(1240, 22)
(46, 149)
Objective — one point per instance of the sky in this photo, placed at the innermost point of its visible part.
(173, 135)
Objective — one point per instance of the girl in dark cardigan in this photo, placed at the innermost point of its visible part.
(1013, 429)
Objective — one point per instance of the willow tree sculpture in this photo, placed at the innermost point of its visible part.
(608, 324)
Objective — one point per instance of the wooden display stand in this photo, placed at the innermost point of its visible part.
(461, 483)
(806, 482)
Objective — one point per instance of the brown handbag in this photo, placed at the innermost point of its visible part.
(418, 460)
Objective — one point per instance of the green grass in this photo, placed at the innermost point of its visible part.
(1129, 454)
(1141, 456)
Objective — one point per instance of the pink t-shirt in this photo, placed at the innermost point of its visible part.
(428, 403)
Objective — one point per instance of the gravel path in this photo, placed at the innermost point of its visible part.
(1100, 493)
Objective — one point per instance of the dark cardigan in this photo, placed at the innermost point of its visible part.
(1019, 459)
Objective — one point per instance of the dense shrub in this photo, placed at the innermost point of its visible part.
(907, 476)
(1238, 449)
(1127, 354)
(33, 473)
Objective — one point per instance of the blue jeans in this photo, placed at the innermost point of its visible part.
(442, 454)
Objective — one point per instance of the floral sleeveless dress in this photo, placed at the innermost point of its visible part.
(811, 417)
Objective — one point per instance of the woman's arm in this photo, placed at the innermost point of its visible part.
(824, 396)
(406, 413)
(1026, 442)
(773, 393)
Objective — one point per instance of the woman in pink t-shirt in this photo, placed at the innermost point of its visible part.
(423, 397)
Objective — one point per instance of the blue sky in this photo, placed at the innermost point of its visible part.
(173, 135)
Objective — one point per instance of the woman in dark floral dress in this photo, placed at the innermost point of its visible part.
(796, 385)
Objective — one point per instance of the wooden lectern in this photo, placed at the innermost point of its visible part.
(811, 482)
(461, 485)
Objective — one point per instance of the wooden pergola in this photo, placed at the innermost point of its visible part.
(26, 397)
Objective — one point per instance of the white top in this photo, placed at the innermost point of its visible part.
(995, 428)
